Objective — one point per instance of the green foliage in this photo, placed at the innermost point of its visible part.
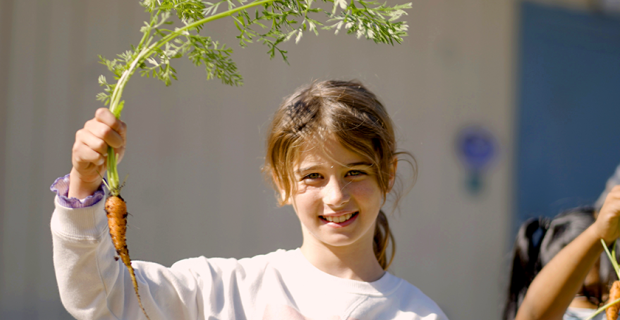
(272, 23)
(371, 20)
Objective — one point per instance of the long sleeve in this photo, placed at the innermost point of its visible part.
(93, 285)
(61, 188)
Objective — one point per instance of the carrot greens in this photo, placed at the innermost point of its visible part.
(272, 23)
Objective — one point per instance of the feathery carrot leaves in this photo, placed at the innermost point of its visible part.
(272, 23)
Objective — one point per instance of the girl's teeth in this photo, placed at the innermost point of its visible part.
(339, 219)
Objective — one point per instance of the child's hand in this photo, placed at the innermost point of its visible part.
(608, 221)
(90, 151)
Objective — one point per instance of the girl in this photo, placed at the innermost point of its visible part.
(331, 154)
(537, 242)
(575, 275)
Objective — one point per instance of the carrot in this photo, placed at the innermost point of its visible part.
(614, 294)
(116, 210)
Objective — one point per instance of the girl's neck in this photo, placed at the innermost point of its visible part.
(353, 262)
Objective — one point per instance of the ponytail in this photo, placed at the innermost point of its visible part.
(525, 263)
(382, 238)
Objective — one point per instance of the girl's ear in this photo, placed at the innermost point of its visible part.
(393, 173)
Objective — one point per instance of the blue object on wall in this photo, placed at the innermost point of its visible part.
(476, 148)
(568, 109)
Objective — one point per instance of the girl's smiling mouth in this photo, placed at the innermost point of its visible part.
(341, 220)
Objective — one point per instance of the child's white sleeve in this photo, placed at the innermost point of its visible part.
(93, 285)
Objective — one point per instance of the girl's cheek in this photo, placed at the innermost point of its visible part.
(301, 189)
(303, 195)
(308, 193)
(366, 189)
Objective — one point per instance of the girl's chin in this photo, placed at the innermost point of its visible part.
(339, 240)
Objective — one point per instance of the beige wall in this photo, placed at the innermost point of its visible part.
(195, 148)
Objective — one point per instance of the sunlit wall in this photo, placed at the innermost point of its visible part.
(195, 149)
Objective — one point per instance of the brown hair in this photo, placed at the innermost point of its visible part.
(352, 114)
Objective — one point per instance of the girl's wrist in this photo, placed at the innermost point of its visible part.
(604, 229)
(594, 236)
(79, 188)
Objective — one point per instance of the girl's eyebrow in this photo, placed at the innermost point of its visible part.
(310, 168)
(360, 164)
(318, 166)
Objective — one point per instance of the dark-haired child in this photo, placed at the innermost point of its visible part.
(560, 270)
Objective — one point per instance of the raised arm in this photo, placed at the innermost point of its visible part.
(91, 282)
(555, 286)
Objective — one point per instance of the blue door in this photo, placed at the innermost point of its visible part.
(568, 109)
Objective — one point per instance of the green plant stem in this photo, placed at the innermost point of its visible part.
(147, 34)
(113, 182)
(116, 106)
(603, 308)
(612, 258)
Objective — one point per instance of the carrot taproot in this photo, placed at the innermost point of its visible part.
(116, 211)
(614, 294)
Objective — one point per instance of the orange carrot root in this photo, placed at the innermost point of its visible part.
(116, 210)
(614, 294)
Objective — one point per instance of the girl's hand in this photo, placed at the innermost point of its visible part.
(89, 155)
(607, 223)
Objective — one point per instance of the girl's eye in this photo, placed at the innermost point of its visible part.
(312, 176)
(355, 173)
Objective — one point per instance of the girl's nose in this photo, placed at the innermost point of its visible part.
(336, 193)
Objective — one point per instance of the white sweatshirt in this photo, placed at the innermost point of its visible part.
(278, 285)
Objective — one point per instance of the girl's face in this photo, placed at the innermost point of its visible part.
(338, 197)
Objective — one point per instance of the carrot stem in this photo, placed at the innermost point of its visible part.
(603, 308)
(612, 258)
(116, 105)
(113, 180)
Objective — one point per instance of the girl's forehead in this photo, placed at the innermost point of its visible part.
(326, 152)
